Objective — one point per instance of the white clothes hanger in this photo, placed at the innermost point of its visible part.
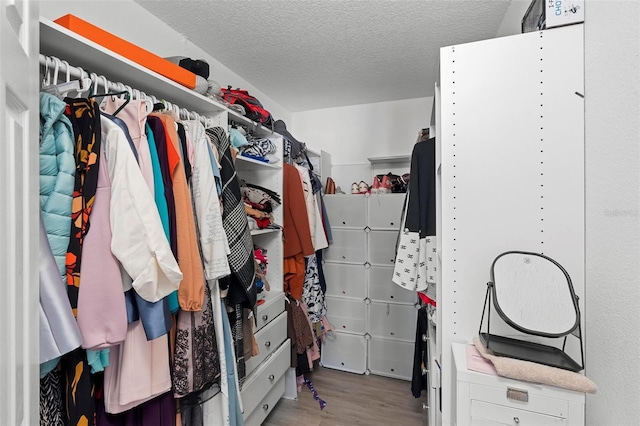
(61, 90)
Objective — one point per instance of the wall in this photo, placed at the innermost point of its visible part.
(612, 159)
(612, 102)
(351, 134)
(134, 23)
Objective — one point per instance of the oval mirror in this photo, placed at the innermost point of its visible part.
(534, 294)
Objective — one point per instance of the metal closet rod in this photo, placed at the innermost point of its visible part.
(62, 72)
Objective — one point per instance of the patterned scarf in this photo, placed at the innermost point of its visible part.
(84, 115)
(242, 288)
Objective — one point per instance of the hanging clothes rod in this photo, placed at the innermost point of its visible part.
(60, 71)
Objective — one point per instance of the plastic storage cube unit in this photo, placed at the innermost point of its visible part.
(349, 246)
(345, 352)
(391, 358)
(388, 320)
(347, 211)
(347, 315)
(385, 211)
(382, 289)
(382, 247)
(345, 280)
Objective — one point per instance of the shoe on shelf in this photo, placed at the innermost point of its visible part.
(375, 185)
(354, 188)
(385, 185)
(363, 187)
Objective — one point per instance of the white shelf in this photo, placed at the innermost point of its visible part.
(246, 163)
(390, 159)
(64, 44)
(257, 128)
(265, 231)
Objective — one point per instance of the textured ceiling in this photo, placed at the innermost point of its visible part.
(322, 53)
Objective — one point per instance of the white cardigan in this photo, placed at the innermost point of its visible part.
(138, 240)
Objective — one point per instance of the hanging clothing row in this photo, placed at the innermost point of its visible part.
(143, 228)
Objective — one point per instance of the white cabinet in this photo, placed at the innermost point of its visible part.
(374, 319)
(484, 399)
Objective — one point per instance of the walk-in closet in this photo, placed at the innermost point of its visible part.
(319, 212)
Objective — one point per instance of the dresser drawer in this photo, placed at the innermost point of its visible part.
(346, 211)
(266, 405)
(391, 358)
(537, 403)
(349, 245)
(345, 280)
(347, 314)
(273, 306)
(393, 321)
(346, 352)
(483, 413)
(382, 247)
(269, 339)
(382, 289)
(258, 385)
(385, 211)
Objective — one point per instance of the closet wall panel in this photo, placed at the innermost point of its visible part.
(512, 175)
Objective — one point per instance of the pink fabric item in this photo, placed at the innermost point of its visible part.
(313, 353)
(134, 115)
(138, 371)
(102, 314)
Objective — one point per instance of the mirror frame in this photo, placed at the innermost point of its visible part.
(518, 327)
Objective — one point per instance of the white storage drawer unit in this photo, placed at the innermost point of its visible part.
(347, 352)
(391, 358)
(382, 247)
(260, 382)
(266, 405)
(381, 289)
(347, 211)
(392, 321)
(385, 211)
(482, 399)
(273, 306)
(269, 338)
(346, 280)
(347, 314)
(349, 246)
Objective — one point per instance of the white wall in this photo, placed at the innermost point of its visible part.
(612, 102)
(132, 22)
(612, 167)
(351, 134)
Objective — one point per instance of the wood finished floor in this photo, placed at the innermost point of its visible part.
(352, 399)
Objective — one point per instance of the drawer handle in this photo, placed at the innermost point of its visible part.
(265, 317)
(267, 344)
(271, 378)
(516, 420)
(265, 407)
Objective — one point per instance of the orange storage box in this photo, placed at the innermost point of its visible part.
(128, 50)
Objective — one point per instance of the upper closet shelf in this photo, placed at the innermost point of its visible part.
(58, 41)
(390, 159)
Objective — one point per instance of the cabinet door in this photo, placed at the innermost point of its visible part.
(393, 321)
(385, 211)
(382, 289)
(348, 246)
(345, 280)
(391, 358)
(382, 247)
(486, 413)
(346, 352)
(347, 314)
(346, 211)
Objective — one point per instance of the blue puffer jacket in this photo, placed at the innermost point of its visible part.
(57, 175)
